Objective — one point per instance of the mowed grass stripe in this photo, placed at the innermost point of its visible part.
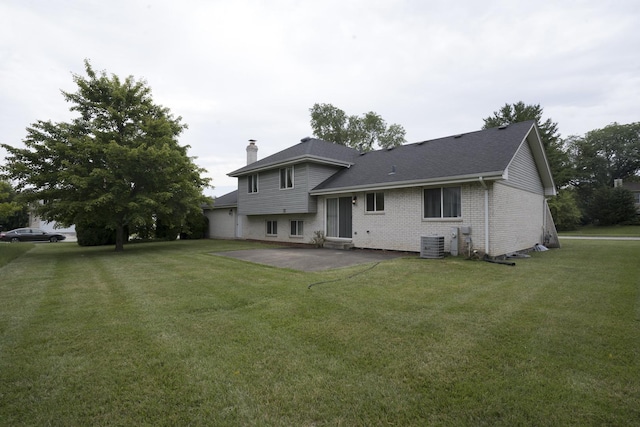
(168, 334)
(104, 328)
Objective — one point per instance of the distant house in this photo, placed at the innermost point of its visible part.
(483, 190)
(36, 222)
(634, 187)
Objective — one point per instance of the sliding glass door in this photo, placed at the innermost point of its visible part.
(339, 217)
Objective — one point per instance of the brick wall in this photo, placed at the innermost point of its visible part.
(254, 227)
(401, 225)
(517, 219)
(221, 224)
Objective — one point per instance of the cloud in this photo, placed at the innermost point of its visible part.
(250, 69)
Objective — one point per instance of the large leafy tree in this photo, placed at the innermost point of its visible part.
(362, 133)
(553, 145)
(606, 154)
(117, 164)
(600, 157)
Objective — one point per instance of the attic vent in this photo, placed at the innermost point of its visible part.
(458, 136)
(305, 139)
(503, 126)
(390, 148)
(420, 143)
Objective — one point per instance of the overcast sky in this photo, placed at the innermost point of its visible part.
(247, 69)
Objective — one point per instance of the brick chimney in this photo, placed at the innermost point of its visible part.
(252, 152)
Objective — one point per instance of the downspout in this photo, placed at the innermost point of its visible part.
(486, 214)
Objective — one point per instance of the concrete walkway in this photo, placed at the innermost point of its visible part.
(310, 259)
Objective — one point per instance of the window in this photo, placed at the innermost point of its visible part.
(375, 202)
(286, 177)
(272, 228)
(297, 228)
(252, 181)
(442, 202)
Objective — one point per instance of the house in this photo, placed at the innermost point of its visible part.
(36, 222)
(634, 187)
(483, 190)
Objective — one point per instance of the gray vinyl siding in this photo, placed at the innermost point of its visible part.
(319, 173)
(523, 173)
(270, 199)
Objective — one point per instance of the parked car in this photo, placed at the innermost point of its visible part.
(30, 235)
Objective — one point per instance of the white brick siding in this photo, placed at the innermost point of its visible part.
(221, 223)
(517, 219)
(401, 225)
(255, 227)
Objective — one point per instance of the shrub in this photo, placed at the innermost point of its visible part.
(95, 234)
(196, 227)
(565, 211)
(318, 239)
(611, 206)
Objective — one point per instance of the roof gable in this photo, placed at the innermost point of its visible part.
(309, 149)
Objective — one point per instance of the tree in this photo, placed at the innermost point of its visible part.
(565, 211)
(606, 154)
(600, 157)
(557, 157)
(611, 206)
(118, 164)
(12, 213)
(362, 133)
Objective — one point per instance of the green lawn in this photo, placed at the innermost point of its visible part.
(610, 231)
(168, 334)
(10, 251)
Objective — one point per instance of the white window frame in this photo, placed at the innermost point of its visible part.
(299, 228)
(252, 183)
(271, 228)
(375, 199)
(441, 204)
(288, 178)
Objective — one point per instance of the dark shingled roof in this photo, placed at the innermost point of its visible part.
(471, 154)
(309, 149)
(226, 201)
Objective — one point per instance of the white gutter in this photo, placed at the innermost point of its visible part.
(407, 184)
(486, 214)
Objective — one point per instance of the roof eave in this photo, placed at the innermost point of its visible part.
(544, 169)
(485, 176)
(291, 161)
